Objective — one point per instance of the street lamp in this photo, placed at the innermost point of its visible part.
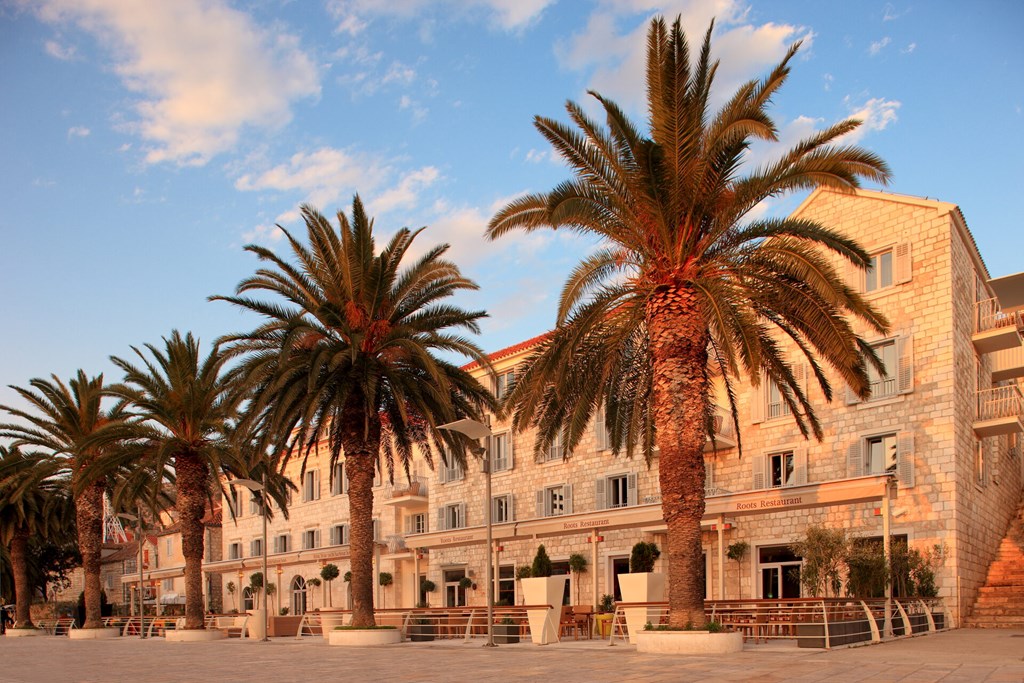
(255, 486)
(142, 604)
(478, 430)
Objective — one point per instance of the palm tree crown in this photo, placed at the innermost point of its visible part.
(687, 285)
(350, 360)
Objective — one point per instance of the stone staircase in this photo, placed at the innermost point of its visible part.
(1000, 601)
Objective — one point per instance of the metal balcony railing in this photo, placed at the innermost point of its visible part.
(988, 316)
(1000, 402)
(417, 486)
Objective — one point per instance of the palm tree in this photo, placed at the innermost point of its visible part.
(185, 408)
(687, 286)
(32, 504)
(348, 361)
(64, 423)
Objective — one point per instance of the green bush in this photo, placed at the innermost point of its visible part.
(643, 557)
(541, 563)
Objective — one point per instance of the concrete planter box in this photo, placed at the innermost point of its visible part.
(642, 587)
(195, 636)
(839, 633)
(93, 633)
(544, 590)
(331, 618)
(255, 625)
(506, 634)
(688, 642)
(422, 633)
(284, 626)
(369, 637)
(22, 632)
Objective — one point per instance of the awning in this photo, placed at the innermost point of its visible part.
(172, 599)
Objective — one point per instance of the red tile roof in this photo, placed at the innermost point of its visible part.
(510, 350)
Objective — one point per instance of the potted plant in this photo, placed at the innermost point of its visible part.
(577, 565)
(466, 583)
(603, 620)
(329, 572)
(642, 584)
(506, 631)
(256, 623)
(736, 552)
(385, 579)
(545, 592)
(329, 618)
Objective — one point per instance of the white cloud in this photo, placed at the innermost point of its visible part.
(262, 234)
(78, 132)
(878, 46)
(891, 14)
(876, 114)
(909, 48)
(65, 53)
(203, 71)
(406, 193)
(419, 112)
(510, 15)
(535, 156)
(829, 79)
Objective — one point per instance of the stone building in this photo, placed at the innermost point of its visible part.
(935, 454)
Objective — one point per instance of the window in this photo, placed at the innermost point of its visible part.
(256, 547)
(311, 486)
(981, 463)
(310, 539)
(617, 491)
(234, 551)
(168, 585)
(452, 471)
(454, 594)
(452, 516)
(503, 383)
(254, 504)
(169, 547)
(376, 530)
(501, 452)
(880, 454)
(879, 271)
(601, 437)
(896, 355)
(777, 406)
(883, 384)
(339, 483)
(780, 469)
(299, 596)
(554, 501)
(108, 582)
(506, 585)
(501, 509)
(282, 543)
(554, 451)
(236, 503)
(248, 599)
(416, 524)
(339, 534)
(891, 452)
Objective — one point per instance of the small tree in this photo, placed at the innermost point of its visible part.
(577, 565)
(736, 552)
(230, 587)
(256, 584)
(385, 579)
(329, 572)
(541, 563)
(313, 582)
(866, 571)
(428, 587)
(643, 557)
(825, 552)
(271, 592)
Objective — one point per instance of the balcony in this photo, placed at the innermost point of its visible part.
(1008, 364)
(995, 330)
(724, 435)
(412, 497)
(1000, 411)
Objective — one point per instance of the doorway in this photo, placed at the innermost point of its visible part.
(780, 572)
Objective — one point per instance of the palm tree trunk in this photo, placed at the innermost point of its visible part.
(22, 590)
(192, 479)
(679, 342)
(89, 517)
(361, 443)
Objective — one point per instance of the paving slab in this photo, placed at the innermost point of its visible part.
(991, 656)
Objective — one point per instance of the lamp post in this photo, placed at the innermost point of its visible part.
(478, 430)
(255, 486)
(142, 603)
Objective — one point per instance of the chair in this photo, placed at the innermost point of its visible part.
(566, 621)
(583, 616)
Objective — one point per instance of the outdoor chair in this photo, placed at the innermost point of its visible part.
(583, 616)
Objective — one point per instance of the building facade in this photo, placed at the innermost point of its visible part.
(934, 455)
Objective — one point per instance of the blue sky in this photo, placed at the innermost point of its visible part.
(144, 143)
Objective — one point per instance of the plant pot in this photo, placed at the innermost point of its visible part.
(330, 618)
(688, 642)
(544, 590)
(255, 626)
(506, 634)
(365, 637)
(422, 633)
(641, 587)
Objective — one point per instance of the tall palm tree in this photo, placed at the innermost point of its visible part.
(688, 285)
(348, 361)
(185, 411)
(32, 504)
(63, 422)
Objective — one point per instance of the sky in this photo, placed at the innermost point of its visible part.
(143, 144)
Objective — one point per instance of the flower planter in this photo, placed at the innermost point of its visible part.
(201, 635)
(368, 637)
(642, 587)
(22, 632)
(506, 634)
(255, 627)
(422, 633)
(688, 642)
(839, 633)
(544, 590)
(93, 633)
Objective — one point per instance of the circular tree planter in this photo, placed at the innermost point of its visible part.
(198, 635)
(93, 633)
(22, 632)
(688, 642)
(368, 637)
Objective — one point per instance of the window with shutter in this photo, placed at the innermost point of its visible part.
(501, 509)
(338, 482)
(554, 451)
(501, 452)
(905, 459)
(757, 465)
(600, 495)
(904, 264)
(799, 477)
(376, 530)
(601, 430)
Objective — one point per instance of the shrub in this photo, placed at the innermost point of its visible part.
(524, 571)
(386, 579)
(465, 583)
(643, 557)
(428, 586)
(825, 552)
(541, 563)
(607, 603)
(329, 572)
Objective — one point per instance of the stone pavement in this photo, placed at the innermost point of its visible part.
(952, 657)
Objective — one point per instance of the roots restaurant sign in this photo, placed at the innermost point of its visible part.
(769, 503)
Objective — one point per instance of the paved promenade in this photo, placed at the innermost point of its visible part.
(963, 656)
